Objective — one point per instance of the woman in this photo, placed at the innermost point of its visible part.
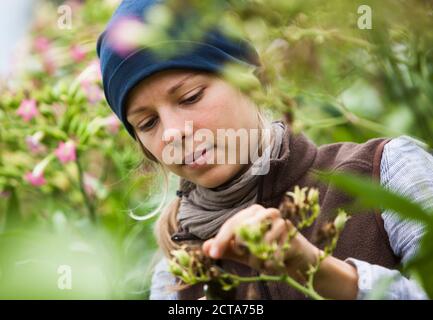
(155, 97)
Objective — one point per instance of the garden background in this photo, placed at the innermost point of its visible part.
(71, 178)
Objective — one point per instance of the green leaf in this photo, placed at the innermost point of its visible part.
(373, 195)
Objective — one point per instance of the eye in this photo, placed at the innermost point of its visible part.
(194, 98)
(148, 124)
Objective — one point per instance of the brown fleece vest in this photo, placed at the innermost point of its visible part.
(363, 237)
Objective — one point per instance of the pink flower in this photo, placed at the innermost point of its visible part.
(66, 152)
(93, 71)
(125, 35)
(49, 63)
(77, 53)
(27, 110)
(36, 180)
(112, 124)
(92, 91)
(42, 44)
(89, 79)
(97, 67)
(34, 143)
(90, 184)
(93, 187)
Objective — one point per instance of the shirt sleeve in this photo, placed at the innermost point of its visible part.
(407, 169)
(162, 279)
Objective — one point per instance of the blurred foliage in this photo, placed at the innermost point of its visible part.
(69, 175)
(331, 76)
(63, 206)
(336, 81)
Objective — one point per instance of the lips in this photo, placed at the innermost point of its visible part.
(193, 157)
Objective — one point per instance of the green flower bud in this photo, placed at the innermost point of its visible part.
(340, 220)
(299, 196)
(182, 257)
(243, 233)
(313, 196)
(256, 234)
(175, 268)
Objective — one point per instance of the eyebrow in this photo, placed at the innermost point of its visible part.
(181, 83)
(170, 91)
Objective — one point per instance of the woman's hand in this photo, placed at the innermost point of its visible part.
(225, 245)
(335, 279)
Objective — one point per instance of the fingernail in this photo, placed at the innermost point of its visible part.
(214, 252)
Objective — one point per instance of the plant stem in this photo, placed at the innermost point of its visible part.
(284, 278)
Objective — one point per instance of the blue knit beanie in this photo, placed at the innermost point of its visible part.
(120, 72)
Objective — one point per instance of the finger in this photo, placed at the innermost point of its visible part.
(246, 213)
(236, 253)
(277, 231)
(206, 246)
(219, 242)
(227, 232)
(266, 214)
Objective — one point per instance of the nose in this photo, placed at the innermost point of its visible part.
(175, 127)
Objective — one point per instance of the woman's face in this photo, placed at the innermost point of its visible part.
(168, 101)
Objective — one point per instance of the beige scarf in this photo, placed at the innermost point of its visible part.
(203, 211)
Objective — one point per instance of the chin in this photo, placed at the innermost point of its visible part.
(215, 176)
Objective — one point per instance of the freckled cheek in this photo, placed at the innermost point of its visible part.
(205, 119)
(214, 115)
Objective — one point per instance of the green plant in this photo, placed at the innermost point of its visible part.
(192, 266)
